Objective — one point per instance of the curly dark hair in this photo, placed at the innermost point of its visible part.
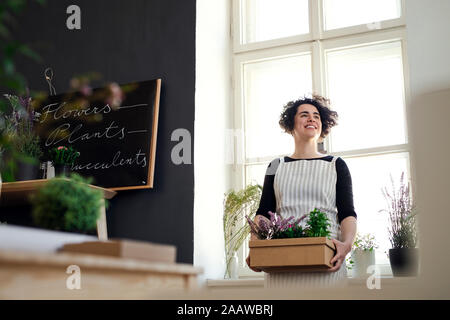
(327, 116)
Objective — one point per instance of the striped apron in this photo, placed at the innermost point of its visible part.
(300, 186)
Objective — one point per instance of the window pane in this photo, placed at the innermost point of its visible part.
(255, 173)
(346, 13)
(369, 176)
(365, 86)
(269, 19)
(268, 86)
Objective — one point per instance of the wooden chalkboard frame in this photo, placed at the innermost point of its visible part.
(152, 153)
(60, 126)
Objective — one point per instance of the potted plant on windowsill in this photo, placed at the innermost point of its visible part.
(284, 245)
(62, 158)
(236, 206)
(403, 256)
(363, 254)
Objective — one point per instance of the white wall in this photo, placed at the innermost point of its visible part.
(428, 49)
(428, 31)
(213, 116)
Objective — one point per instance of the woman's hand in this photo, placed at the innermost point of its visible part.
(255, 237)
(252, 268)
(342, 249)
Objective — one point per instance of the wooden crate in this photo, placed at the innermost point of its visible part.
(293, 254)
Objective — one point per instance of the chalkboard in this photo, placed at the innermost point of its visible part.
(113, 129)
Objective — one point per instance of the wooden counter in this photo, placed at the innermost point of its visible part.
(31, 275)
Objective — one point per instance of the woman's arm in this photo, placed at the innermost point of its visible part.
(348, 232)
(346, 214)
(268, 201)
(344, 191)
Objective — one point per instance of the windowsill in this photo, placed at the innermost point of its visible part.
(235, 283)
(258, 282)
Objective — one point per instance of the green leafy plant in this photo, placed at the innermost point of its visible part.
(63, 155)
(402, 215)
(67, 204)
(292, 231)
(238, 204)
(349, 263)
(22, 143)
(28, 145)
(317, 224)
(364, 242)
(20, 125)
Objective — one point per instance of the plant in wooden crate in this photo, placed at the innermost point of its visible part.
(286, 245)
(403, 255)
(67, 205)
(363, 254)
(62, 158)
(236, 206)
(280, 228)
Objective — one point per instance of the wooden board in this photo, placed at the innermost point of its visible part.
(125, 249)
(30, 275)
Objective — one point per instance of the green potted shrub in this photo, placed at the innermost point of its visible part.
(363, 254)
(67, 205)
(62, 158)
(236, 206)
(403, 256)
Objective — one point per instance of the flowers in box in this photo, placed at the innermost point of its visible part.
(279, 228)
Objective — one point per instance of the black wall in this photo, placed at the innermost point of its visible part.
(128, 41)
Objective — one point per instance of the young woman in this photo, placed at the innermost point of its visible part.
(307, 179)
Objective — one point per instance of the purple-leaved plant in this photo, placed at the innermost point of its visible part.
(274, 227)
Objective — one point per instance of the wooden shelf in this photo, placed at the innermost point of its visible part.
(19, 191)
(15, 193)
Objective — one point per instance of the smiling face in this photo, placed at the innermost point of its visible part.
(308, 124)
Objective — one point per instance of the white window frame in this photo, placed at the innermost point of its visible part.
(317, 42)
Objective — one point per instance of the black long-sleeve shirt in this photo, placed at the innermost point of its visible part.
(344, 192)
